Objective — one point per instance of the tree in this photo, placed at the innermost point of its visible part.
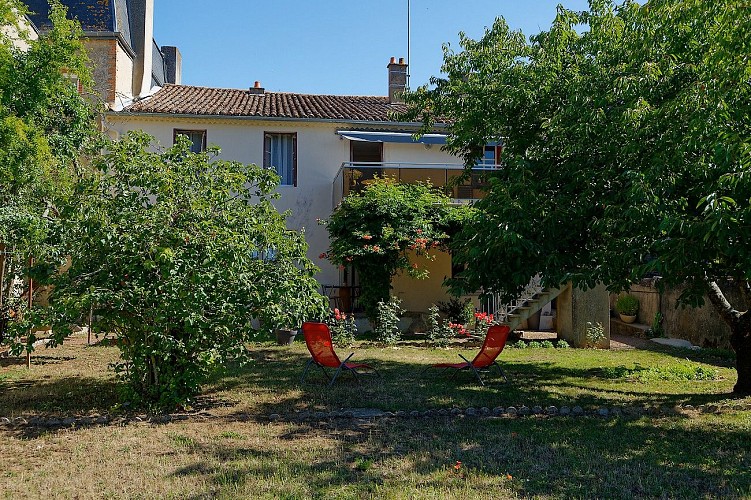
(47, 129)
(627, 137)
(377, 230)
(183, 258)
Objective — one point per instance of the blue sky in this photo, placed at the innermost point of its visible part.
(328, 46)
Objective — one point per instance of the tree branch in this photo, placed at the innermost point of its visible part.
(729, 314)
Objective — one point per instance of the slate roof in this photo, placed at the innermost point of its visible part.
(205, 101)
(100, 15)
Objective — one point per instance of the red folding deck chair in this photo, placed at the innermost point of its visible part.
(494, 343)
(318, 339)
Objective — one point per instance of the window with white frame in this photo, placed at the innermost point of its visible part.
(280, 154)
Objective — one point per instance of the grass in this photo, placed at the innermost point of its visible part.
(229, 449)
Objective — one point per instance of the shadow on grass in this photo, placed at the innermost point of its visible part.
(73, 395)
(575, 458)
(405, 386)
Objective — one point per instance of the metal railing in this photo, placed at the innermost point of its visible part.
(354, 176)
(501, 311)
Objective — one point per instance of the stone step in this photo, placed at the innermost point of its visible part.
(618, 327)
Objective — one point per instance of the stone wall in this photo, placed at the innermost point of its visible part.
(103, 56)
(701, 326)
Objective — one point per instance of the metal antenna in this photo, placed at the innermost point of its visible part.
(409, 38)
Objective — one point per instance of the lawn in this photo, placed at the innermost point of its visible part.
(697, 445)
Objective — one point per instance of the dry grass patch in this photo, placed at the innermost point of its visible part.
(229, 449)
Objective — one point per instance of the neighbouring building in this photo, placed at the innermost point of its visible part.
(119, 38)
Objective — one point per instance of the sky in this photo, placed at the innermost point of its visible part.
(337, 47)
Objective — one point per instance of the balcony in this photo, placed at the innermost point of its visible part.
(354, 176)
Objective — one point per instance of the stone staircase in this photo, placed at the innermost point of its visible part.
(532, 299)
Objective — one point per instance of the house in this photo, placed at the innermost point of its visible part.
(322, 146)
(118, 36)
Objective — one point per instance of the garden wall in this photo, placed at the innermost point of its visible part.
(701, 326)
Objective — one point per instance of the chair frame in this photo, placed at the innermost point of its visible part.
(341, 368)
(470, 365)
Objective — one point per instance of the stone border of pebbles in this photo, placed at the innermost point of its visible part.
(375, 414)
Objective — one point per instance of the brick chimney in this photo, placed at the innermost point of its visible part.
(173, 61)
(142, 32)
(397, 79)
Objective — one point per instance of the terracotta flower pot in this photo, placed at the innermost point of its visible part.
(627, 319)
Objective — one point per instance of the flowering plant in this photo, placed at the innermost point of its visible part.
(483, 321)
(343, 328)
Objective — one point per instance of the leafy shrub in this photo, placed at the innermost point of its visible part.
(343, 328)
(377, 230)
(546, 344)
(439, 332)
(595, 334)
(534, 345)
(483, 321)
(628, 305)
(656, 330)
(387, 325)
(457, 310)
(171, 257)
(519, 344)
(562, 344)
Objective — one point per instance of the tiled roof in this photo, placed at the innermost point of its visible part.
(189, 100)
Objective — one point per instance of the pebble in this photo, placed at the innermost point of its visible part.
(537, 410)
(603, 412)
(443, 412)
(319, 415)
(565, 410)
(401, 413)
(577, 410)
(4, 420)
(414, 414)
(20, 421)
(485, 410)
(69, 421)
(389, 414)
(616, 412)
(512, 411)
(53, 422)
(523, 410)
(101, 420)
(499, 410)
(456, 411)
(274, 417)
(551, 410)
(470, 412)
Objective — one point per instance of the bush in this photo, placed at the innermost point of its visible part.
(343, 328)
(595, 334)
(519, 344)
(628, 305)
(562, 344)
(457, 310)
(439, 333)
(387, 325)
(546, 344)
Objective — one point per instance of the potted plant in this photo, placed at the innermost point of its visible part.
(285, 336)
(627, 307)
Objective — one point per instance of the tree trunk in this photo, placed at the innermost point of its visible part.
(740, 338)
(741, 342)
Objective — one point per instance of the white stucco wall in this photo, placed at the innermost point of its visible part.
(320, 153)
(123, 75)
(29, 33)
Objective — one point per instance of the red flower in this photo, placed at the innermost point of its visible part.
(458, 465)
(367, 237)
(419, 231)
(322, 256)
(376, 248)
(414, 265)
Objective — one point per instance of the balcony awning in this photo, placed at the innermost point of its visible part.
(398, 137)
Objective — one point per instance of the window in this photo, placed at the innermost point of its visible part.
(196, 137)
(280, 154)
(491, 156)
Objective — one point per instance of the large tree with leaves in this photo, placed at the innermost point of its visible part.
(627, 133)
(183, 259)
(46, 131)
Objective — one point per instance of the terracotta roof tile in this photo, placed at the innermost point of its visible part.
(189, 100)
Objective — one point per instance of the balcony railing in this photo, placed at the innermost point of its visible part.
(354, 176)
